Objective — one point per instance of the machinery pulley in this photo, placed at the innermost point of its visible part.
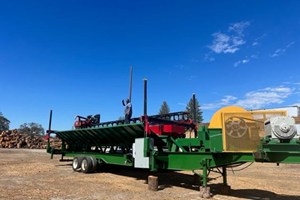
(236, 127)
(281, 127)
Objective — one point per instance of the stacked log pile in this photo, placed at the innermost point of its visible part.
(14, 139)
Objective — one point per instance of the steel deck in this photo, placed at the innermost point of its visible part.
(123, 134)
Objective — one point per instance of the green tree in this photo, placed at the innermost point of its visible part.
(190, 110)
(4, 123)
(164, 109)
(32, 129)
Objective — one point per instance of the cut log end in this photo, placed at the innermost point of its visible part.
(153, 183)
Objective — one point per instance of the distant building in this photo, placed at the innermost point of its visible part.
(292, 111)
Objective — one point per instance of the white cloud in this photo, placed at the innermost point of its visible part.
(244, 61)
(231, 41)
(226, 100)
(223, 43)
(220, 43)
(254, 99)
(208, 57)
(281, 51)
(239, 27)
(278, 89)
(258, 39)
(264, 97)
(290, 44)
(278, 52)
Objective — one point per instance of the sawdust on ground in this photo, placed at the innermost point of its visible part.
(31, 174)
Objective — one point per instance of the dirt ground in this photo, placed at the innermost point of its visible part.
(31, 174)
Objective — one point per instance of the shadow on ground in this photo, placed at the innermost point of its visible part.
(169, 179)
(252, 194)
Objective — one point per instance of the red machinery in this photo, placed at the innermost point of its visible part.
(172, 124)
(86, 122)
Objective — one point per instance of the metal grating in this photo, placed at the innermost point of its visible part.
(114, 135)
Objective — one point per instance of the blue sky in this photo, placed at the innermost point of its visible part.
(74, 56)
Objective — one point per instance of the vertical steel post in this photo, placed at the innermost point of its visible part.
(194, 108)
(224, 174)
(50, 122)
(145, 108)
(194, 112)
(145, 97)
(204, 174)
(49, 131)
(130, 83)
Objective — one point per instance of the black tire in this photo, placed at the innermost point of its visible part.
(87, 165)
(94, 163)
(76, 163)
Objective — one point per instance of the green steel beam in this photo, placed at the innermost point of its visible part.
(116, 159)
(178, 144)
(192, 160)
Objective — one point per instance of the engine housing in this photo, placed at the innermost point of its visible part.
(281, 127)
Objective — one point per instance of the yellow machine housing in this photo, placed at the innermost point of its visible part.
(241, 129)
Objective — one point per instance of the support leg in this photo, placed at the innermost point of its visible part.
(52, 153)
(204, 175)
(204, 189)
(63, 147)
(224, 174)
(226, 188)
(62, 157)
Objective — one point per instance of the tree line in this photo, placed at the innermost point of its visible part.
(31, 128)
(165, 109)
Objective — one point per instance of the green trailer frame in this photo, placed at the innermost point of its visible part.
(117, 145)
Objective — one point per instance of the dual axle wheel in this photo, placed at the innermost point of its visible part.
(84, 164)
